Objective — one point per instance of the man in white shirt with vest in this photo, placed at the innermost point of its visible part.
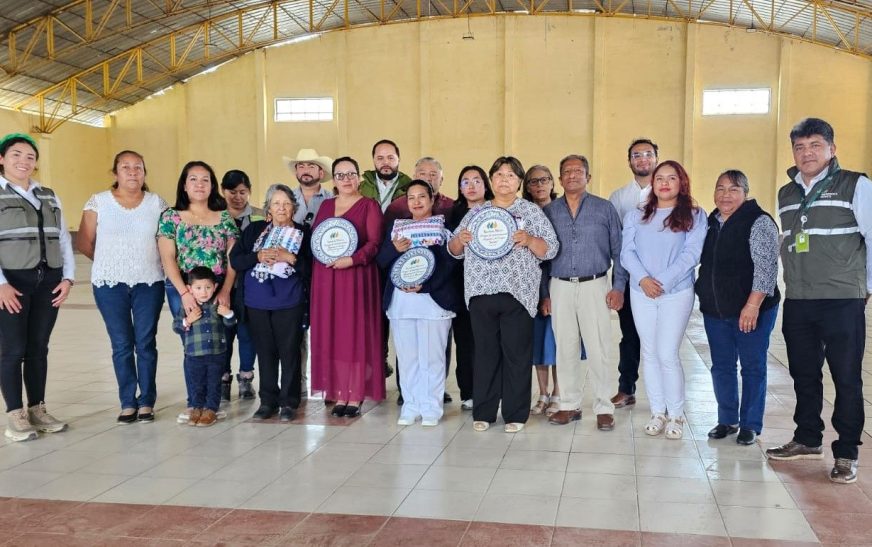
(642, 159)
(826, 221)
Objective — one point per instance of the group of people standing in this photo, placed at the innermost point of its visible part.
(231, 271)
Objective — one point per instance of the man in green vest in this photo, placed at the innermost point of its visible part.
(826, 220)
(385, 183)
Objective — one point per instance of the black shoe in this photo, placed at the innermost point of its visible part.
(351, 411)
(446, 398)
(720, 431)
(126, 418)
(400, 400)
(286, 414)
(145, 417)
(338, 410)
(245, 389)
(746, 437)
(225, 389)
(389, 370)
(265, 412)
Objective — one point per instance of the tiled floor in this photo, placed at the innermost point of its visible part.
(326, 481)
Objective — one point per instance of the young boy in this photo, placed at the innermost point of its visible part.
(204, 332)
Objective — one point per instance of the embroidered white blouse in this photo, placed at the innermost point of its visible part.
(126, 247)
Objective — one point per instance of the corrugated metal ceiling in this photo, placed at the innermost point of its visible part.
(31, 69)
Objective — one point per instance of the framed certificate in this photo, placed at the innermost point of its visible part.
(492, 231)
(413, 268)
(333, 239)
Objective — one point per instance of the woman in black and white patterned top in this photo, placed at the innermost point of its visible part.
(502, 296)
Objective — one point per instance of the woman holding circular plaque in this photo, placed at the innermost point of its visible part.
(347, 359)
(420, 299)
(503, 242)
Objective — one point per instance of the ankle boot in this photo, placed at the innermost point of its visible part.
(226, 382)
(245, 389)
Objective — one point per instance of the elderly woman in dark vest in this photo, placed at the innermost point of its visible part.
(738, 297)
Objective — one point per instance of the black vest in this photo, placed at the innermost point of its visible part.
(726, 272)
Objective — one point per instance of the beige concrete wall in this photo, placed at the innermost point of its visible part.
(536, 87)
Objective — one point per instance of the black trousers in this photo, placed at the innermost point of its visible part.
(630, 348)
(464, 343)
(24, 336)
(277, 335)
(503, 352)
(835, 330)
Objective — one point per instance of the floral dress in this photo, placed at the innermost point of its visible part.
(198, 245)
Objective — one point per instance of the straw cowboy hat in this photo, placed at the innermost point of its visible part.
(309, 155)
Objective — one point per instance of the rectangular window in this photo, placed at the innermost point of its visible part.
(719, 102)
(311, 109)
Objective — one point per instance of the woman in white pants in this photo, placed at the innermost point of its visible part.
(662, 243)
(420, 318)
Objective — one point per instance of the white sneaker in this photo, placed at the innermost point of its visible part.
(466, 404)
(43, 421)
(18, 427)
(430, 422)
(220, 414)
(406, 420)
(184, 416)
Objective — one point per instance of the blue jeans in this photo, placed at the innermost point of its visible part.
(203, 377)
(727, 344)
(247, 352)
(131, 315)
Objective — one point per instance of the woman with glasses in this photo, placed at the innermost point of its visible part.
(539, 189)
(502, 295)
(474, 189)
(346, 325)
(662, 243)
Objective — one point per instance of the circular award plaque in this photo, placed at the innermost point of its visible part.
(492, 231)
(413, 268)
(333, 239)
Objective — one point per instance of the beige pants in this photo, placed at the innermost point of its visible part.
(579, 311)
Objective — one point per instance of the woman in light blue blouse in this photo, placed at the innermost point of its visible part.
(662, 243)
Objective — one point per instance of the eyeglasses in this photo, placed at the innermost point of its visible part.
(540, 181)
(466, 183)
(580, 171)
(351, 175)
(645, 154)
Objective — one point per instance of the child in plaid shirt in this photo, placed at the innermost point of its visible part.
(203, 330)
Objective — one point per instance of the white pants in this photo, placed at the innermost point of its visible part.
(420, 345)
(661, 323)
(579, 311)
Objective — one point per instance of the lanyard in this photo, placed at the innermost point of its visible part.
(810, 198)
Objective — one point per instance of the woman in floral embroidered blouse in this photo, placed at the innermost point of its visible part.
(196, 231)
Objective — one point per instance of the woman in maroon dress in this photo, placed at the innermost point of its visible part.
(347, 359)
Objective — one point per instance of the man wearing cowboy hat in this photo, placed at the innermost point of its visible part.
(310, 170)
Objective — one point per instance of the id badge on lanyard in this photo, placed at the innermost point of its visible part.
(803, 239)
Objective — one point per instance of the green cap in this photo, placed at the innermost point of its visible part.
(24, 136)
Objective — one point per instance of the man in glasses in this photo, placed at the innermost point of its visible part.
(311, 170)
(642, 159)
(385, 182)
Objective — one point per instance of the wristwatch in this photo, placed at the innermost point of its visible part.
(72, 281)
